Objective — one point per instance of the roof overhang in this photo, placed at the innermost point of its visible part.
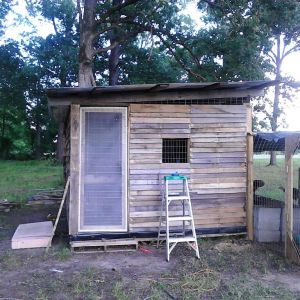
(167, 91)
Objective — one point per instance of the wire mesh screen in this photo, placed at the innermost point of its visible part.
(269, 194)
(296, 199)
(175, 151)
(102, 196)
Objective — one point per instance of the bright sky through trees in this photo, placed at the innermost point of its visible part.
(16, 30)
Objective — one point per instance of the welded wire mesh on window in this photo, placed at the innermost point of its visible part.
(212, 101)
(175, 151)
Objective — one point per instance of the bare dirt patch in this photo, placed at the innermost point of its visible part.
(227, 269)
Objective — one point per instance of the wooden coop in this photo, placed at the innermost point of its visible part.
(120, 140)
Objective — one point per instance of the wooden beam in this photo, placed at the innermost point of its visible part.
(59, 213)
(249, 207)
(290, 142)
(74, 169)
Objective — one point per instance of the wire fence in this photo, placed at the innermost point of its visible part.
(269, 196)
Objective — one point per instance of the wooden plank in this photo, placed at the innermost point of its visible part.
(212, 160)
(222, 109)
(218, 125)
(249, 117)
(218, 144)
(152, 108)
(196, 134)
(218, 115)
(159, 115)
(217, 150)
(74, 169)
(173, 125)
(32, 235)
(250, 178)
(232, 154)
(160, 120)
(218, 180)
(159, 135)
(59, 212)
(160, 130)
(290, 144)
(145, 141)
(228, 121)
(227, 140)
(199, 128)
(218, 185)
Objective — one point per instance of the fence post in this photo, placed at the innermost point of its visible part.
(249, 208)
(291, 143)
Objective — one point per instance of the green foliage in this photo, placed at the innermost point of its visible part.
(19, 179)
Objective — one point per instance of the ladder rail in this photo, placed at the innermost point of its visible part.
(187, 216)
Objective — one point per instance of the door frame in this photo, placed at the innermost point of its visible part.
(124, 227)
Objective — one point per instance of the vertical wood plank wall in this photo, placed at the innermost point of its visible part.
(217, 166)
(74, 169)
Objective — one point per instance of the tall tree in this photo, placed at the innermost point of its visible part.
(253, 39)
(54, 57)
(109, 25)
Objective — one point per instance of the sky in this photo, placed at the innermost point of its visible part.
(291, 65)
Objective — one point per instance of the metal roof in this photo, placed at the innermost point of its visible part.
(160, 87)
(272, 141)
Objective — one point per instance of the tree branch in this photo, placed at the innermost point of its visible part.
(116, 8)
(54, 25)
(291, 50)
(80, 15)
(100, 50)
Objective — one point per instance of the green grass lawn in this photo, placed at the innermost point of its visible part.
(273, 176)
(20, 179)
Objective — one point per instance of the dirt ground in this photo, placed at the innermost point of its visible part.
(228, 269)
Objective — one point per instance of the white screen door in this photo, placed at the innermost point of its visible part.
(103, 169)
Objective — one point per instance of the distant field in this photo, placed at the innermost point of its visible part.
(273, 176)
(19, 179)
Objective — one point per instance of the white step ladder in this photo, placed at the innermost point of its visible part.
(169, 221)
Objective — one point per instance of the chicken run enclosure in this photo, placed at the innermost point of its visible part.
(276, 196)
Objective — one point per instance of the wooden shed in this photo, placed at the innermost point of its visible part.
(120, 141)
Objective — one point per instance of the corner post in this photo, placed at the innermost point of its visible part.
(249, 204)
(74, 168)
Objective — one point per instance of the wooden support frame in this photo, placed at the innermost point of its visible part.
(74, 168)
(249, 207)
(291, 143)
(249, 204)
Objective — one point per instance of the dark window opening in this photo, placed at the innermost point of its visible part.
(175, 150)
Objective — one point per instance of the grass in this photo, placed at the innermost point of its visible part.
(19, 179)
(273, 176)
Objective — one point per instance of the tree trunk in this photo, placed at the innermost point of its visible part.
(38, 150)
(87, 26)
(275, 113)
(114, 57)
(60, 142)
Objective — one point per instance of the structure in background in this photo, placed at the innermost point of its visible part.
(121, 139)
(276, 191)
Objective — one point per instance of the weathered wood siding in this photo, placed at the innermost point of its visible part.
(217, 165)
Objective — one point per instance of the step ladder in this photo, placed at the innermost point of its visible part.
(167, 221)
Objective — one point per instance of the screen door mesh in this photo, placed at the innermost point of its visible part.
(101, 176)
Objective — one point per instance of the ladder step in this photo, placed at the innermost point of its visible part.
(174, 198)
(180, 218)
(182, 239)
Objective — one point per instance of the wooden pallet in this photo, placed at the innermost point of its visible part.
(104, 246)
